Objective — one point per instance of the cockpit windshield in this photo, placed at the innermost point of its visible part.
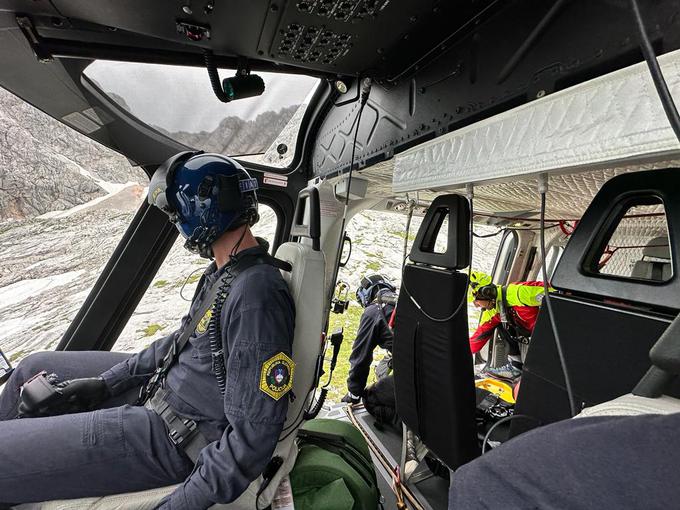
(180, 103)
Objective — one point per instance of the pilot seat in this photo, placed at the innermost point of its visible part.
(306, 283)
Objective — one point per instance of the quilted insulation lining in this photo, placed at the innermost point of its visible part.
(603, 123)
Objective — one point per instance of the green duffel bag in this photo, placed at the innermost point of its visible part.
(333, 470)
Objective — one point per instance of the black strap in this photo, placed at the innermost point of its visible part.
(503, 309)
(183, 432)
(241, 263)
(238, 265)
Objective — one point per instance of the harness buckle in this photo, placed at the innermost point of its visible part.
(177, 438)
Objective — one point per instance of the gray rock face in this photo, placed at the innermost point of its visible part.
(237, 136)
(47, 166)
(47, 268)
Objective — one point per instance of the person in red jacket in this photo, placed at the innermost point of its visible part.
(512, 310)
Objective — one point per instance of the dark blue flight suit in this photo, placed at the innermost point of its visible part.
(373, 331)
(592, 463)
(123, 448)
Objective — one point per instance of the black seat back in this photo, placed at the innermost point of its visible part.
(606, 349)
(434, 378)
(607, 324)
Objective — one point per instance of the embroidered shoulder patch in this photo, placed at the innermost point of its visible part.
(202, 325)
(276, 377)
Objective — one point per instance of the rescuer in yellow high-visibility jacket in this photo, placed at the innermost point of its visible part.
(514, 307)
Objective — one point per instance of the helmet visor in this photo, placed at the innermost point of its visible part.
(162, 179)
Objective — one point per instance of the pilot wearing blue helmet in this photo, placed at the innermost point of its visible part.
(202, 407)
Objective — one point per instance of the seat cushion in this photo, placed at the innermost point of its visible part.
(632, 405)
(433, 371)
(147, 500)
(144, 500)
(307, 286)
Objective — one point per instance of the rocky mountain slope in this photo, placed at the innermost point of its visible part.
(46, 166)
(234, 135)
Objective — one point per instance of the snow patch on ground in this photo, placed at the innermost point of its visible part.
(17, 292)
(12, 327)
(112, 190)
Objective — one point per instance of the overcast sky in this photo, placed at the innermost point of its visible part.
(181, 98)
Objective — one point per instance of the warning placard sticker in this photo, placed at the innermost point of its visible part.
(275, 179)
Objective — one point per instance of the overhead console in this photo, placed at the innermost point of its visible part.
(386, 38)
(525, 52)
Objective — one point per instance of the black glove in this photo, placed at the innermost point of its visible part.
(88, 392)
(43, 396)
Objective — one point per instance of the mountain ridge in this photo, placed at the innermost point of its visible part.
(46, 166)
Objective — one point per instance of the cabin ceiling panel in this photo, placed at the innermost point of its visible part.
(603, 122)
(568, 194)
(505, 62)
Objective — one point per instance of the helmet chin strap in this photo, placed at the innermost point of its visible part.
(202, 249)
(201, 242)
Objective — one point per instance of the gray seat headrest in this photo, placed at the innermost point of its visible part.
(657, 248)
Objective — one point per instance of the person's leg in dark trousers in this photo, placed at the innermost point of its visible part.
(360, 361)
(116, 449)
(67, 365)
(109, 451)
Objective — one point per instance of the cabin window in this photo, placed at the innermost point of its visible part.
(442, 242)
(378, 239)
(551, 259)
(168, 297)
(179, 102)
(65, 203)
(436, 238)
(634, 244)
(505, 256)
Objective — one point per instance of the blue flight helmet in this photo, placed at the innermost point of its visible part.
(370, 286)
(204, 195)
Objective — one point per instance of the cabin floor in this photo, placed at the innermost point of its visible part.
(429, 490)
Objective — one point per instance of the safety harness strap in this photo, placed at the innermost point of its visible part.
(183, 432)
(508, 324)
(384, 298)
